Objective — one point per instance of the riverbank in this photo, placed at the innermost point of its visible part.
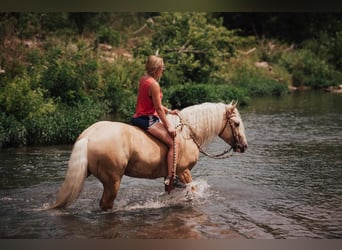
(334, 89)
(60, 74)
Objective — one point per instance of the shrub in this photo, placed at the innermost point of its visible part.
(3, 135)
(192, 45)
(188, 95)
(336, 51)
(327, 46)
(121, 84)
(256, 81)
(28, 118)
(18, 99)
(182, 96)
(54, 21)
(61, 80)
(65, 124)
(12, 59)
(309, 70)
(12, 132)
(108, 35)
(72, 72)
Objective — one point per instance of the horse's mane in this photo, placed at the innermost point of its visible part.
(205, 119)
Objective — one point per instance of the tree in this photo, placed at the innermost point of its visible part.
(192, 44)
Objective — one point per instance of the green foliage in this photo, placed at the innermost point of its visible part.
(327, 47)
(182, 96)
(121, 83)
(65, 124)
(17, 98)
(8, 26)
(309, 70)
(108, 35)
(50, 104)
(55, 81)
(256, 81)
(191, 44)
(61, 81)
(58, 127)
(54, 21)
(336, 51)
(13, 61)
(12, 132)
(71, 73)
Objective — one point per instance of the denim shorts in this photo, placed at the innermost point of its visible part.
(145, 122)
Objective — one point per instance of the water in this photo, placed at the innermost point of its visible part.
(287, 185)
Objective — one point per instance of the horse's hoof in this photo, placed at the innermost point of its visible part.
(105, 207)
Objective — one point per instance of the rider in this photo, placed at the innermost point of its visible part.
(150, 114)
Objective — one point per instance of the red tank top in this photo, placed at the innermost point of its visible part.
(144, 102)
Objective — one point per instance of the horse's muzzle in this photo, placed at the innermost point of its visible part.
(240, 147)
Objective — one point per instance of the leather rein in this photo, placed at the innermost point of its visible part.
(224, 154)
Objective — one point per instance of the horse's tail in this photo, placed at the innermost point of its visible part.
(75, 176)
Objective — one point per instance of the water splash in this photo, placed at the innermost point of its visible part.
(196, 192)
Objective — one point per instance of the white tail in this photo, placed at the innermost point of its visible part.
(75, 176)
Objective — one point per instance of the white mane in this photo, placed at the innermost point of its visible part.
(206, 120)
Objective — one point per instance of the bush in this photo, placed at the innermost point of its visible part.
(192, 45)
(18, 99)
(60, 127)
(13, 61)
(71, 73)
(309, 70)
(182, 96)
(108, 35)
(64, 125)
(327, 47)
(28, 118)
(61, 80)
(256, 81)
(54, 21)
(121, 85)
(336, 51)
(12, 132)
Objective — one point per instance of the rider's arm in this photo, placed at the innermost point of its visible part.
(160, 108)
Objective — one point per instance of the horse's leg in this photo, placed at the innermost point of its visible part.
(185, 176)
(111, 183)
(110, 190)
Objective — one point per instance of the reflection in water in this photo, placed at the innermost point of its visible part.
(24, 167)
(287, 185)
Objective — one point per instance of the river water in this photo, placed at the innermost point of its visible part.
(287, 185)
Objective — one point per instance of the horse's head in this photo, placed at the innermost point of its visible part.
(233, 131)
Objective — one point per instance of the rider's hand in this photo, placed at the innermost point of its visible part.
(174, 112)
(172, 132)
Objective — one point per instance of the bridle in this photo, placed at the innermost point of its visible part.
(229, 121)
(224, 154)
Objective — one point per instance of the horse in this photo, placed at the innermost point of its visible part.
(108, 150)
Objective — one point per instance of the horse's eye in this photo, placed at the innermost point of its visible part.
(237, 124)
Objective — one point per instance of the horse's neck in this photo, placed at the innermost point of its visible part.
(205, 121)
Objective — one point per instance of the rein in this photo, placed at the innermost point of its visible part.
(223, 155)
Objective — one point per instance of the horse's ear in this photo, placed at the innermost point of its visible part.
(235, 103)
(230, 108)
(232, 104)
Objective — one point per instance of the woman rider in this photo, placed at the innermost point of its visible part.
(150, 114)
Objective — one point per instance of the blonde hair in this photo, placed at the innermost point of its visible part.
(153, 64)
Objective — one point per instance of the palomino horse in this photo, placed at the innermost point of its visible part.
(109, 150)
